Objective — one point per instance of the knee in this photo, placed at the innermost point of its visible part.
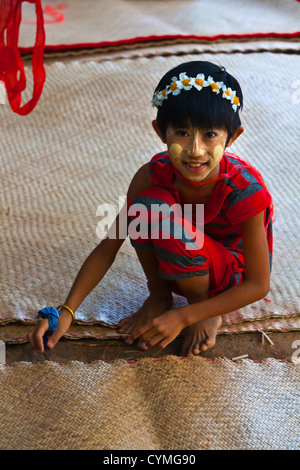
(179, 255)
(148, 209)
(178, 233)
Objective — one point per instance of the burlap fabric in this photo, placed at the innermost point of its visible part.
(166, 404)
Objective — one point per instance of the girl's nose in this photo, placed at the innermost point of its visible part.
(197, 147)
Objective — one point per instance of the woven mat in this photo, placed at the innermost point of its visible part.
(110, 21)
(158, 409)
(16, 332)
(172, 47)
(80, 147)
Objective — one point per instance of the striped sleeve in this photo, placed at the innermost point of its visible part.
(248, 199)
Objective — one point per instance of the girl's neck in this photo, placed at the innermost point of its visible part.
(201, 186)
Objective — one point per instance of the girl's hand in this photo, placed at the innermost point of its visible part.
(35, 336)
(160, 331)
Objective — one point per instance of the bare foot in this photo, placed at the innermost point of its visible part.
(200, 336)
(153, 306)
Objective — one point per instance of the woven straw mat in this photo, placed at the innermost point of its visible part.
(115, 20)
(170, 404)
(80, 148)
(16, 333)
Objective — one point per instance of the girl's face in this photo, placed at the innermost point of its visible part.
(196, 153)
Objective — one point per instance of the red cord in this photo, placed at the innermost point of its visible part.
(12, 71)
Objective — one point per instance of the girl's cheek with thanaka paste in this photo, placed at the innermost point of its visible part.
(175, 150)
(218, 152)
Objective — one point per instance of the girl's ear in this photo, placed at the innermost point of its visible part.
(158, 131)
(237, 133)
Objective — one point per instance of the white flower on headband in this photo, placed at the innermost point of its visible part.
(175, 87)
(162, 95)
(187, 83)
(199, 82)
(235, 101)
(227, 93)
(215, 86)
(230, 94)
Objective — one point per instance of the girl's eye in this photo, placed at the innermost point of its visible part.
(182, 133)
(210, 134)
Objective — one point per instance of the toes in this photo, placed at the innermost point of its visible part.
(198, 346)
(196, 351)
(186, 349)
(198, 340)
(208, 343)
(192, 345)
(192, 349)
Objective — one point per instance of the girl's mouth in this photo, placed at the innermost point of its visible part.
(194, 167)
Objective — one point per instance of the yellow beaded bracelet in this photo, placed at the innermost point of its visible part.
(67, 308)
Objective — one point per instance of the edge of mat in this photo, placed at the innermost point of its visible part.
(141, 41)
(167, 358)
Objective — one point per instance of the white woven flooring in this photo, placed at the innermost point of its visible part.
(80, 147)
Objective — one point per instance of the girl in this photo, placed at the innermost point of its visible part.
(219, 265)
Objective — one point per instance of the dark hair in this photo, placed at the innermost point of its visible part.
(204, 109)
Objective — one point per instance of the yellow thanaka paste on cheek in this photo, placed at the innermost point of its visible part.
(218, 152)
(175, 150)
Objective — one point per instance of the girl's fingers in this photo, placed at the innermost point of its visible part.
(143, 333)
(35, 337)
(38, 337)
(162, 344)
(54, 338)
(150, 343)
(64, 323)
(159, 341)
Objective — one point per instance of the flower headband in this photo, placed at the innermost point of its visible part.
(199, 82)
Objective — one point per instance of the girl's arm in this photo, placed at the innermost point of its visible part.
(163, 329)
(92, 271)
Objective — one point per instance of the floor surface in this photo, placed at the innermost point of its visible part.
(284, 347)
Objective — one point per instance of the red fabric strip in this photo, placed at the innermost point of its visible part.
(12, 71)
